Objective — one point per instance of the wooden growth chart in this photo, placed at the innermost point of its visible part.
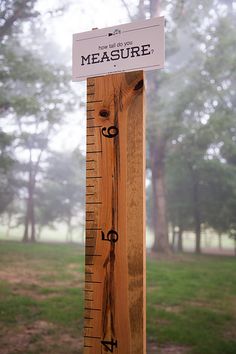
(115, 216)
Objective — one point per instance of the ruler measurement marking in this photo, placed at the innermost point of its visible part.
(92, 309)
(95, 126)
(92, 229)
(94, 203)
(93, 255)
(95, 101)
(96, 229)
(93, 281)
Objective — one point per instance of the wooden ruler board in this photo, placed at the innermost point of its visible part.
(115, 285)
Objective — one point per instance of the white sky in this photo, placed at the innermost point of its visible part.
(81, 15)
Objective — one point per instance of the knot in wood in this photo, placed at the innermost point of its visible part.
(104, 113)
(138, 86)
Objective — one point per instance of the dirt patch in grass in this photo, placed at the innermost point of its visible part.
(153, 348)
(39, 337)
(33, 294)
(21, 274)
(182, 258)
(230, 333)
(172, 309)
(172, 349)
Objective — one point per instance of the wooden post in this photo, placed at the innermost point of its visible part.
(115, 265)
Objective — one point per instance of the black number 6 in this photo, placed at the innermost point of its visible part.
(111, 132)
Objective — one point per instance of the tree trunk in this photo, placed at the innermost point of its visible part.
(9, 224)
(173, 238)
(157, 156)
(39, 233)
(220, 241)
(154, 8)
(160, 226)
(196, 214)
(26, 226)
(30, 218)
(69, 229)
(157, 152)
(180, 239)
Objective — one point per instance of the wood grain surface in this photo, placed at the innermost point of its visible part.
(115, 265)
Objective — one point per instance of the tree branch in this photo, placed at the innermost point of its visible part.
(17, 14)
(127, 9)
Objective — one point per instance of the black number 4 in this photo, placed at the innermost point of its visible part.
(109, 345)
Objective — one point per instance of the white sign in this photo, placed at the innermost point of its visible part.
(129, 47)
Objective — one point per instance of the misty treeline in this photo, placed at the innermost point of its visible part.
(38, 186)
(191, 124)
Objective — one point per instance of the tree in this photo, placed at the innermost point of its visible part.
(156, 144)
(34, 129)
(33, 98)
(62, 193)
(179, 201)
(13, 13)
(7, 181)
(188, 94)
(207, 107)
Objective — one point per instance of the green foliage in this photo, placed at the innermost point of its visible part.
(7, 180)
(13, 13)
(34, 96)
(201, 148)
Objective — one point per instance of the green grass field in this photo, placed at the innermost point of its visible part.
(191, 301)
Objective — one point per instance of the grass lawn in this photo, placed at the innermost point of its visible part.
(191, 301)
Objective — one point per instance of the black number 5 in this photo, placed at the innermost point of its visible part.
(112, 236)
(110, 132)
